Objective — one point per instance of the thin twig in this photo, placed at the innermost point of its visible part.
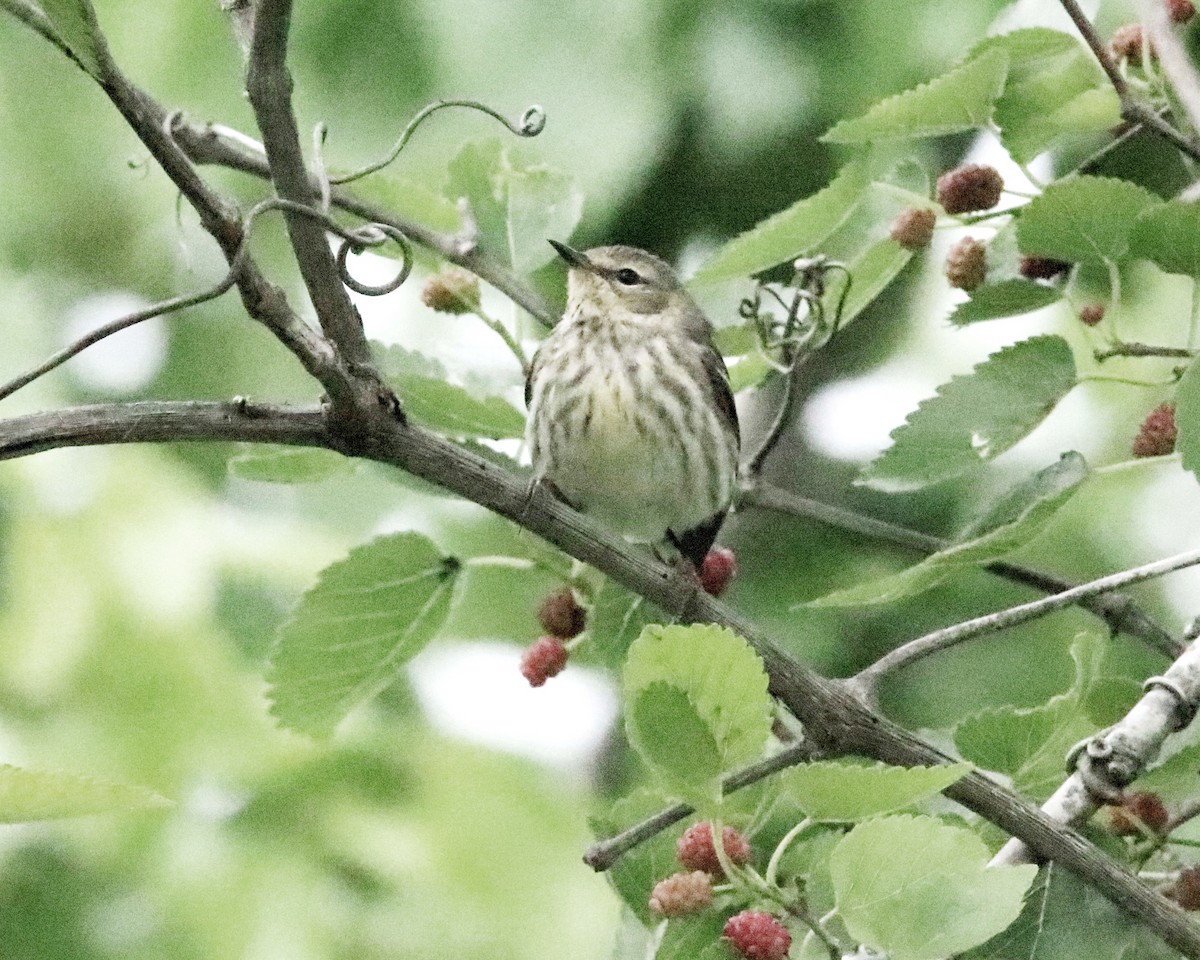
(604, 853)
(1117, 610)
(1123, 349)
(867, 679)
(1132, 108)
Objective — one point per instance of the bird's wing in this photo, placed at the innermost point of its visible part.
(718, 378)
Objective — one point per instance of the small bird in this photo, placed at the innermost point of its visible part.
(631, 419)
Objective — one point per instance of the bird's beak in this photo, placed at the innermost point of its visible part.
(573, 256)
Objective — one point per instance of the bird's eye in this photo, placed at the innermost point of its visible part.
(628, 277)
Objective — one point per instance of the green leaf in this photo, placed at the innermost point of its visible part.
(976, 417)
(409, 198)
(1054, 89)
(430, 400)
(959, 100)
(920, 889)
(748, 372)
(1032, 500)
(1187, 418)
(268, 463)
(1028, 743)
(1015, 521)
(1007, 298)
(844, 792)
(1065, 918)
(367, 615)
(1083, 219)
(789, 233)
(475, 174)
(616, 619)
(704, 685)
(872, 270)
(542, 203)
(1169, 236)
(696, 937)
(27, 795)
(75, 23)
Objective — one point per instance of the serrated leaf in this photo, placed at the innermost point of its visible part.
(789, 233)
(272, 464)
(432, 401)
(28, 795)
(366, 616)
(713, 676)
(959, 100)
(843, 792)
(749, 372)
(1187, 418)
(920, 889)
(1169, 236)
(1008, 298)
(1015, 521)
(696, 937)
(74, 22)
(872, 270)
(542, 203)
(1054, 88)
(634, 875)
(617, 618)
(1083, 219)
(1028, 743)
(976, 417)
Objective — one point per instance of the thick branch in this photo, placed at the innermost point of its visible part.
(834, 719)
(270, 88)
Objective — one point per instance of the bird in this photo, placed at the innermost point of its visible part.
(631, 417)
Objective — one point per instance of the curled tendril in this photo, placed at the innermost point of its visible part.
(532, 122)
(372, 235)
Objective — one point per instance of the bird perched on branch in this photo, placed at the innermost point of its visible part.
(631, 418)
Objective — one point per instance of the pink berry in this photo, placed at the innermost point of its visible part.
(696, 852)
(1157, 434)
(681, 894)
(542, 660)
(561, 616)
(973, 186)
(758, 936)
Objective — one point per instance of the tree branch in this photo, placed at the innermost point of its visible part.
(1117, 610)
(1117, 756)
(270, 85)
(834, 719)
(868, 679)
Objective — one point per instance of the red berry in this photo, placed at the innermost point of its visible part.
(696, 852)
(973, 186)
(1186, 889)
(717, 570)
(913, 228)
(1091, 313)
(1180, 11)
(758, 936)
(966, 264)
(682, 893)
(1041, 268)
(542, 660)
(1138, 810)
(1157, 434)
(561, 615)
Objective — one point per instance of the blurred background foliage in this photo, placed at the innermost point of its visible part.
(140, 587)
